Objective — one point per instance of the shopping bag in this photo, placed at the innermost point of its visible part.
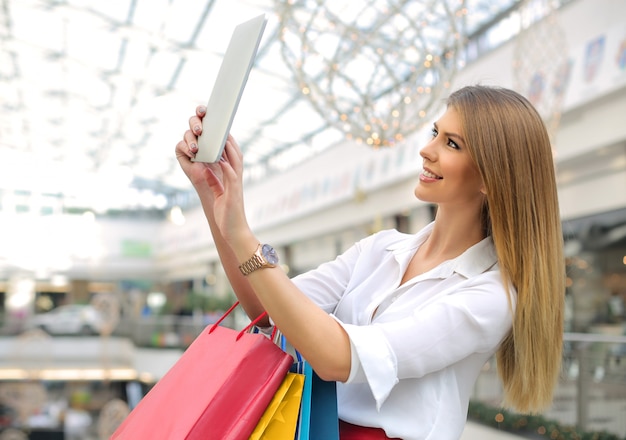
(280, 419)
(218, 389)
(318, 418)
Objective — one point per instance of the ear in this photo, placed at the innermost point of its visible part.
(483, 190)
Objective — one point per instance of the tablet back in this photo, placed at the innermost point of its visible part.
(228, 88)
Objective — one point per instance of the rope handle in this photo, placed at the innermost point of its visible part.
(218, 322)
(246, 329)
(252, 324)
(277, 337)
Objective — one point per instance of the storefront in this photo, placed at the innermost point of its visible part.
(595, 248)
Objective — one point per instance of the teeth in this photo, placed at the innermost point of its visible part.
(429, 174)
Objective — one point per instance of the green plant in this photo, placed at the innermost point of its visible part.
(209, 303)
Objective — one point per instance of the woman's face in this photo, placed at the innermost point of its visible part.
(449, 177)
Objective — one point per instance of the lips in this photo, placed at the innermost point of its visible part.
(430, 174)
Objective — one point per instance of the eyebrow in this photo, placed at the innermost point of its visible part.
(451, 135)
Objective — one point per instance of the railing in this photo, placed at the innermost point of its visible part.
(591, 394)
(168, 330)
(148, 331)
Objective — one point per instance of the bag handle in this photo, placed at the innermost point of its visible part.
(246, 329)
(252, 324)
(277, 336)
(219, 321)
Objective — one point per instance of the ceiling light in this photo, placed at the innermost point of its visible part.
(347, 56)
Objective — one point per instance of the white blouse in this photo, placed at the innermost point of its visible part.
(417, 349)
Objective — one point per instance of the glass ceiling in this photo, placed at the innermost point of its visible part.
(94, 95)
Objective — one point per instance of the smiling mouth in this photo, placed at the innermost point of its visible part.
(430, 175)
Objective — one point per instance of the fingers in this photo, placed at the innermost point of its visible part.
(195, 122)
(233, 153)
(188, 146)
(232, 160)
(237, 150)
(195, 129)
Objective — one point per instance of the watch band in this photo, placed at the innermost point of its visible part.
(254, 263)
(258, 260)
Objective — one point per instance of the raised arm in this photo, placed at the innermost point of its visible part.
(315, 334)
(198, 173)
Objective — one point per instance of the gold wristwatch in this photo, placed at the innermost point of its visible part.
(264, 256)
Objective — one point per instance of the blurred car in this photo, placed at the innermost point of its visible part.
(74, 319)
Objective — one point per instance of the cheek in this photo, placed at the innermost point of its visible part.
(474, 181)
(469, 176)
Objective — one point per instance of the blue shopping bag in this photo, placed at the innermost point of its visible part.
(318, 419)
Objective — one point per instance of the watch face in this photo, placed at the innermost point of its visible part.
(270, 254)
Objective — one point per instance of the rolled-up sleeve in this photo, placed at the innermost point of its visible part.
(410, 330)
(373, 360)
(471, 319)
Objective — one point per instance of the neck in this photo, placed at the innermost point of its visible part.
(453, 233)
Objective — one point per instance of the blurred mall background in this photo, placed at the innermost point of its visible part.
(107, 267)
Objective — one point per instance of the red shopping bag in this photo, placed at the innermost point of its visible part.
(218, 389)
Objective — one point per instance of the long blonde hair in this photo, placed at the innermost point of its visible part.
(508, 141)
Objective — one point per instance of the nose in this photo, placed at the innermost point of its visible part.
(428, 151)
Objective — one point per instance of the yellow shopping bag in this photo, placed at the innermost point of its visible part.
(281, 416)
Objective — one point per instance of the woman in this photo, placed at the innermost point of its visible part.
(403, 322)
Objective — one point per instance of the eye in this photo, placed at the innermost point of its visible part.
(450, 143)
(453, 144)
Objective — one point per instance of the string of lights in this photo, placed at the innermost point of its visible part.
(375, 70)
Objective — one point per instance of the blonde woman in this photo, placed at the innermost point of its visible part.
(404, 322)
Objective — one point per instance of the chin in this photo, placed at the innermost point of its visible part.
(420, 196)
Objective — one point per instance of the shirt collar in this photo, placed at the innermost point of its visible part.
(474, 261)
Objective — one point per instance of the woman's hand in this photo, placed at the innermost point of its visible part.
(219, 185)
(186, 150)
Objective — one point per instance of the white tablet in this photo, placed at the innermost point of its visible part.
(228, 88)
